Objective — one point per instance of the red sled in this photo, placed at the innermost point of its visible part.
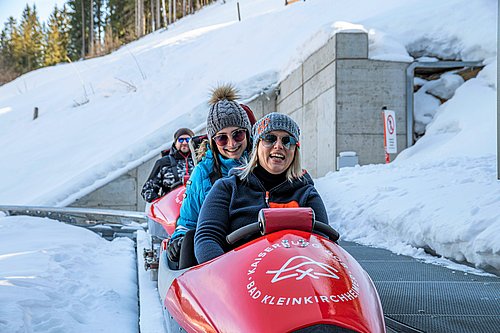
(293, 277)
(165, 210)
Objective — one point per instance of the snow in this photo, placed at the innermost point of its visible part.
(151, 315)
(48, 275)
(104, 116)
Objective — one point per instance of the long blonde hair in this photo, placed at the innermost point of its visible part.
(202, 150)
(294, 171)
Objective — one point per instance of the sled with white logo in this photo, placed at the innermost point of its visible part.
(292, 278)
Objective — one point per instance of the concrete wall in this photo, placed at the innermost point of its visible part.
(124, 193)
(263, 104)
(336, 96)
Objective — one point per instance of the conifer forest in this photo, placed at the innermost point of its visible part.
(82, 29)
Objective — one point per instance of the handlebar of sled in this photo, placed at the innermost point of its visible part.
(257, 227)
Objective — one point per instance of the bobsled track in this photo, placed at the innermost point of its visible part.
(415, 296)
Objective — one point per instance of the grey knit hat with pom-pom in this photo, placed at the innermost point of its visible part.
(275, 122)
(225, 111)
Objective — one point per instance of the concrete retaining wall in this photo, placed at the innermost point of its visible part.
(124, 193)
(336, 96)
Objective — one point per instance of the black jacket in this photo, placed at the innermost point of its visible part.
(233, 203)
(168, 173)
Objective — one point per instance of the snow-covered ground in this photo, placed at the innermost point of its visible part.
(60, 278)
(102, 116)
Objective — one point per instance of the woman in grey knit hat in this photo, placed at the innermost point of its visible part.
(228, 129)
(273, 178)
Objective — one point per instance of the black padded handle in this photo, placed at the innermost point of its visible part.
(243, 232)
(327, 230)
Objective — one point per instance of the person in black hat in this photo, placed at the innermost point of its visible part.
(170, 170)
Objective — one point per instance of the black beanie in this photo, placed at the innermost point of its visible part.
(182, 131)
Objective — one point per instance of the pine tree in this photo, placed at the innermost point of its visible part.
(32, 40)
(99, 18)
(10, 51)
(63, 22)
(75, 21)
(121, 19)
(55, 48)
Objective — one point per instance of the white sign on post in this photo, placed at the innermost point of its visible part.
(390, 139)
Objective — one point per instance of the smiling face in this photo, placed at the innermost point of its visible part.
(231, 142)
(274, 157)
(184, 145)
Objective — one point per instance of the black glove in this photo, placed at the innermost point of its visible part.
(174, 248)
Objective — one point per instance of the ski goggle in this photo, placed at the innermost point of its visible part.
(238, 135)
(269, 140)
(181, 140)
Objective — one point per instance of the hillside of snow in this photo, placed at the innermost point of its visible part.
(103, 116)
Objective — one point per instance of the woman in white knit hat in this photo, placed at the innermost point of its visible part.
(273, 178)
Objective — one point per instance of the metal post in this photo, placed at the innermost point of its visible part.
(387, 156)
(35, 113)
(239, 16)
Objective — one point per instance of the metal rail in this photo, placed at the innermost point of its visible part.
(107, 223)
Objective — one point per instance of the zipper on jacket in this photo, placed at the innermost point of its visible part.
(267, 198)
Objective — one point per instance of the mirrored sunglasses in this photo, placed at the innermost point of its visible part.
(237, 135)
(269, 140)
(181, 140)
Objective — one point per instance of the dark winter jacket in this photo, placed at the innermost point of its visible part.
(197, 189)
(233, 203)
(167, 173)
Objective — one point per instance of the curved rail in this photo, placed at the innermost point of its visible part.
(106, 222)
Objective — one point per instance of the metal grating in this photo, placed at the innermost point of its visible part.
(415, 271)
(428, 297)
(452, 324)
(441, 298)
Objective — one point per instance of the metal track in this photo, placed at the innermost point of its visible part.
(105, 222)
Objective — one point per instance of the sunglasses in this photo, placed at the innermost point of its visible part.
(181, 140)
(237, 135)
(269, 140)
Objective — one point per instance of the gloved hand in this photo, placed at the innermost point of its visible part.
(174, 248)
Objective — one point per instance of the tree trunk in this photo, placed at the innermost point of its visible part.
(164, 12)
(169, 11)
(137, 18)
(142, 19)
(183, 8)
(83, 29)
(99, 28)
(153, 26)
(91, 29)
(158, 24)
(175, 11)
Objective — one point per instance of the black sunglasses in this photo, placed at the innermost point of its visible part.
(269, 140)
(181, 140)
(238, 135)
